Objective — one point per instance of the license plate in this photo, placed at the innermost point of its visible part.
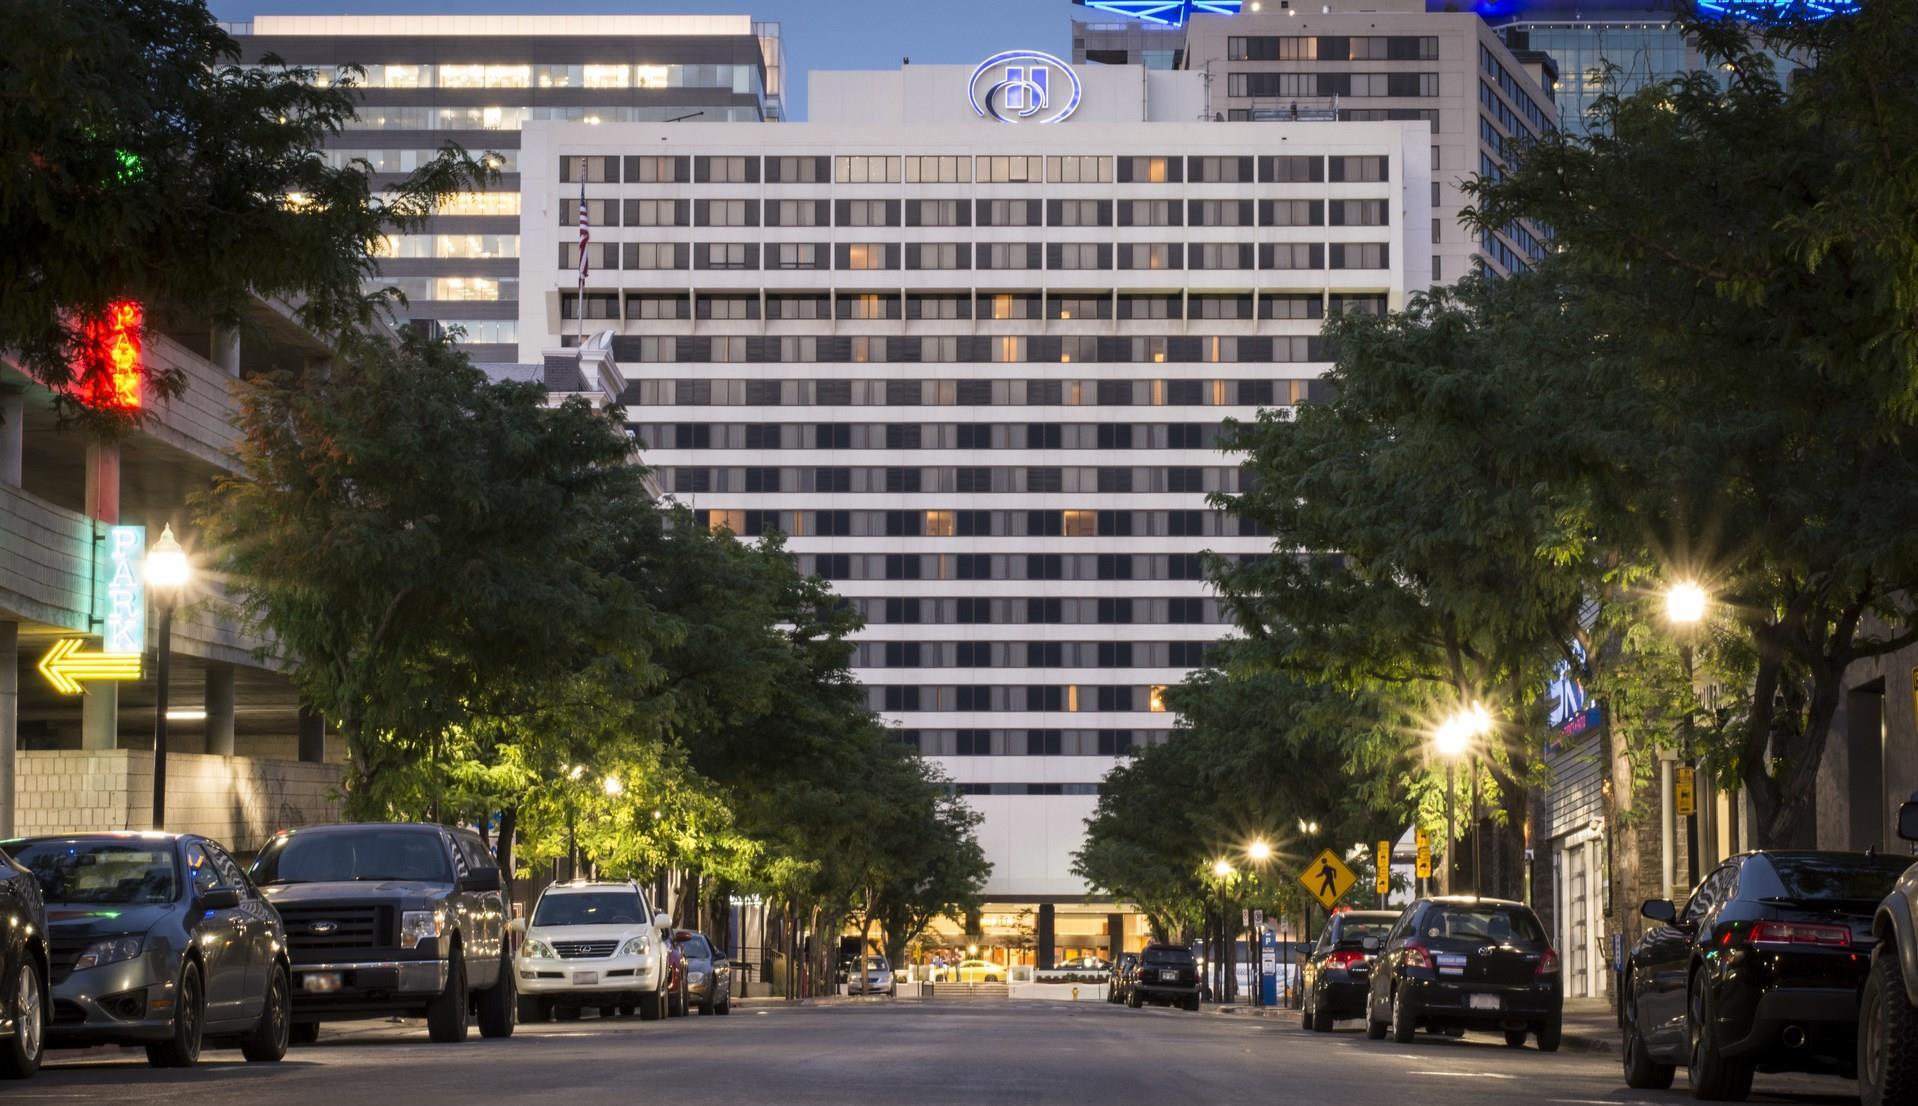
(320, 983)
(585, 979)
(1482, 1002)
(1170, 977)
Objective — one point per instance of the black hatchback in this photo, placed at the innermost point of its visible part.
(1467, 963)
(1761, 970)
(1338, 971)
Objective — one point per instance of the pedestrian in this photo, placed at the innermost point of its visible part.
(1295, 111)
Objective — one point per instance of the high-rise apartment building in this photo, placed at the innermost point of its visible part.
(975, 370)
(475, 80)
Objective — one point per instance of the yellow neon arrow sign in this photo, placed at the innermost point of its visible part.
(66, 667)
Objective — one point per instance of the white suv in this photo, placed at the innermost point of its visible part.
(592, 944)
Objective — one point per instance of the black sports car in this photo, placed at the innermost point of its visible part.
(23, 972)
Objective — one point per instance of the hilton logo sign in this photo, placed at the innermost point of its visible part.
(1024, 86)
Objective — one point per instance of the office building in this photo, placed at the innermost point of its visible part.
(475, 80)
(976, 370)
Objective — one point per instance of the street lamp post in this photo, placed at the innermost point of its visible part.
(1258, 852)
(1222, 869)
(167, 572)
(1307, 830)
(1453, 737)
(1685, 606)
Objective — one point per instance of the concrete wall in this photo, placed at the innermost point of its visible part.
(239, 801)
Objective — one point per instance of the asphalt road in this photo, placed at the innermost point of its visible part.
(935, 1054)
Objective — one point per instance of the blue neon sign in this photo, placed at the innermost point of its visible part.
(120, 580)
(1810, 9)
(1018, 86)
(1171, 13)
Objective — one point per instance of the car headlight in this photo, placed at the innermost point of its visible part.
(634, 947)
(695, 977)
(110, 951)
(417, 926)
(536, 949)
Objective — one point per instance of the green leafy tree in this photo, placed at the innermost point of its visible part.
(144, 164)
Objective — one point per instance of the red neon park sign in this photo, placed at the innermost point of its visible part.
(110, 369)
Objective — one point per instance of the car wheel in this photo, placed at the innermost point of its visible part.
(1515, 1038)
(1192, 1004)
(533, 1011)
(21, 1053)
(304, 1033)
(499, 1004)
(1132, 1000)
(1550, 1034)
(1321, 1017)
(1887, 1036)
(182, 1050)
(677, 1006)
(725, 1005)
(268, 1042)
(1405, 1024)
(652, 1006)
(1713, 1077)
(446, 1015)
(1305, 1012)
(1641, 1071)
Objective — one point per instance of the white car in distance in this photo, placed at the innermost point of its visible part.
(592, 944)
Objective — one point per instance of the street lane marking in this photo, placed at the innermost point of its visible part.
(1465, 1074)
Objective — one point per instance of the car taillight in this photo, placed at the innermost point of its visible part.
(1345, 959)
(1547, 964)
(1799, 933)
(1417, 956)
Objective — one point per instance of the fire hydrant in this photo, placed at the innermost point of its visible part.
(1075, 992)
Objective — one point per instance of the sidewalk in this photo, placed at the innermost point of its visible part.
(1590, 1024)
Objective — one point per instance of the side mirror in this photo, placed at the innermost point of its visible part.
(481, 879)
(662, 923)
(1659, 910)
(220, 898)
(1908, 821)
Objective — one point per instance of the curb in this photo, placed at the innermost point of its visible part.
(1573, 1041)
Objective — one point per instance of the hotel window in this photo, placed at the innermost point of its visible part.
(866, 169)
(1220, 170)
(1219, 255)
(726, 213)
(1150, 255)
(942, 351)
(655, 170)
(796, 213)
(1148, 307)
(728, 255)
(1080, 213)
(1000, 169)
(1007, 305)
(798, 350)
(1362, 169)
(659, 351)
(1292, 169)
(1155, 698)
(557, 76)
(726, 170)
(1081, 307)
(866, 255)
(654, 255)
(1149, 350)
(1359, 213)
(1008, 255)
(939, 524)
(488, 331)
(1221, 213)
(938, 213)
(1361, 304)
(1080, 169)
(600, 255)
(1008, 348)
(606, 76)
(601, 213)
(1080, 524)
(462, 76)
(1291, 213)
(1221, 307)
(1009, 213)
(1291, 255)
(939, 307)
(592, 170)
(1080, 348)
(729, 350)
(1150, 213)
(655, 213)
(797, 307)
(1149, 170)
(1080, 255)
(798, 170)
(938, 255)
(868, 213)
(799, 255)
(1361, 255)
(474, 288)
(938, 170)
(655, 307)
(1219, 350)
(599, 305)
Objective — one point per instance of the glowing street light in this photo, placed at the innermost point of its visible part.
(1452, 739)
(613, 786)
(1258, 851)
(1222, 868)
(167, 575)
(1685, 603)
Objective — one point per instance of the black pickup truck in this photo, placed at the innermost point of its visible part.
(391, 919)
(1888, 1011)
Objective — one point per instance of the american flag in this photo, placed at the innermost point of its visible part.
(585, 231)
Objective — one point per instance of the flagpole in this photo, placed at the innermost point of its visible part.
(585, 239)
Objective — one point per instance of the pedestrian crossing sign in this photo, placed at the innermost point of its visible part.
(1327, 879)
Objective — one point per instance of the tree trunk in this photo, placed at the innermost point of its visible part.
(503, 847)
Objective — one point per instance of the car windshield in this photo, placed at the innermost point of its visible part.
(695, 947)
(366, 854)
(1356, 932)
(1168, 956)
(1835, 876)
(590, 908)
(877, 964)
(101, 872)
(1485, 924)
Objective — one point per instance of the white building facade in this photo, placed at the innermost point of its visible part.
(976, 370)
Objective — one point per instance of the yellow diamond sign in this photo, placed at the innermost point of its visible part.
(1327, 879)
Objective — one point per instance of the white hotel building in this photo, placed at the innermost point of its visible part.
(975, 370)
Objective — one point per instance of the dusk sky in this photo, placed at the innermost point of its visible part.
(820, 34)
